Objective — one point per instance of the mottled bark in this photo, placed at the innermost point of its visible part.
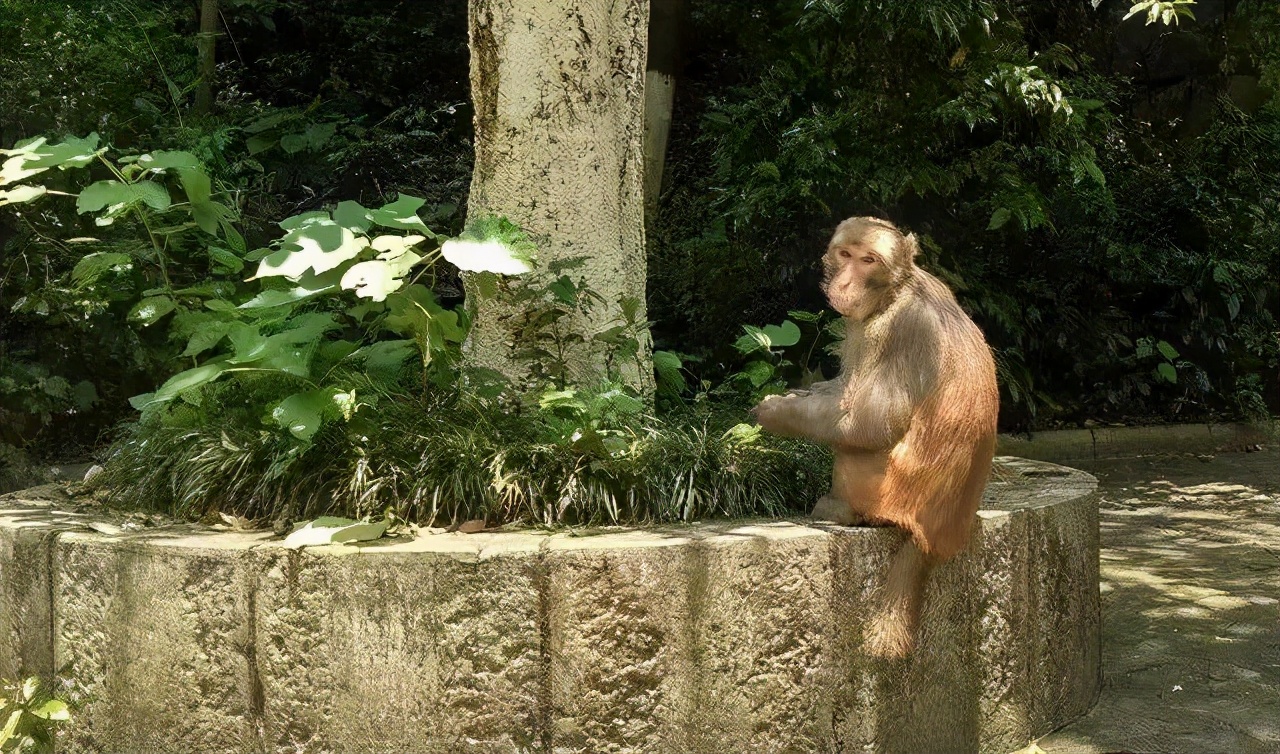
(666, 24)
(207, 42)
(558, 88)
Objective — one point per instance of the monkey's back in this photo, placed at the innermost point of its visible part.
(935, 474)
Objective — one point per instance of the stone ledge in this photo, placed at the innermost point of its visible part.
(716, 637)
(1068, 445)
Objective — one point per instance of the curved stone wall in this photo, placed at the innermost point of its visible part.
(717, 637)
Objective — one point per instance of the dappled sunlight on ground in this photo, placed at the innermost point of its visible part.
(1190, 569)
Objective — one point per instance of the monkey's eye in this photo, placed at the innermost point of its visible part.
(844, 254)
(869, 260)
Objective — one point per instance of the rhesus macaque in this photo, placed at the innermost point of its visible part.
(911, 417)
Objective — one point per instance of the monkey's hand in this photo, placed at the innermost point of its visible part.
(778, 413)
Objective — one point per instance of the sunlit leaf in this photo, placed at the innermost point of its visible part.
(377, 278)
(319, 245)
(148, 311)
(402, 214)
(335, 531)
(21, 194)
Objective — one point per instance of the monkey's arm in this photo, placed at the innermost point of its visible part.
(808, 414)
(877, 405)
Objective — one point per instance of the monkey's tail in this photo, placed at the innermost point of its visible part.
(891, 632)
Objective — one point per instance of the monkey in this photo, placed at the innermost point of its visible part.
(911, 417)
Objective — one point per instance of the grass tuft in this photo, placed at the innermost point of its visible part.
(436, 461)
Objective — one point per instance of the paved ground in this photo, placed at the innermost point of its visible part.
(1191, 618)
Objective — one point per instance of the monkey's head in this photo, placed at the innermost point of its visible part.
(866, 263)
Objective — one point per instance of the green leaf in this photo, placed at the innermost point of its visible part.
(180, 383)
(781, 336)
(148, 311)
(386, 357)
(316, 533)
(1233, 306)
(302, 413)
(168, 161)
(1167, 350)
(84, 395)
(53, 709)
(305, 218)
(667, 366)
(309, 285)
(119, 196)
(402, 214)
(352, 216)
(208, 336)
(1167, 371)
(91, 267)
(999, 218)
(293, 143)
(224, 260)
(742, 434)
(758, 372)
(752, 340)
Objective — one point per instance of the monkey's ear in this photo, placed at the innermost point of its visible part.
(911, 248)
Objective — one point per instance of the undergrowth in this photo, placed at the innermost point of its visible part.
(437, 459)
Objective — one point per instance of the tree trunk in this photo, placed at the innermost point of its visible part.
(207, 45)
(558, 89)
(666, 24)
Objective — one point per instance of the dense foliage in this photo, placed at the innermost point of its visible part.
(271, 283)
(1101, 193)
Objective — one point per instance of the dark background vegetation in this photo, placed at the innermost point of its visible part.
(1101, 194)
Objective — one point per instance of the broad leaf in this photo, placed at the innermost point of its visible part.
(168, 161)
(52, 710)
(781, 336)
(93, 266)
(148, 311)
(302, 413)
(327, 531)
(180, 383)
(402, 214)
(485, 256)
(377, 278)
(21, 194)
(319, 245)
(34, 156)
(387, 357)
(120, 196)
(352, 216)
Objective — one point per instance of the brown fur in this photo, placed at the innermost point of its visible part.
(911, 418)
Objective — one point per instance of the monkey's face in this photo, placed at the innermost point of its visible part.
(861, 265)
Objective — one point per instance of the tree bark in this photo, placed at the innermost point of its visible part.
(207, 45)
(666, 25)
(558, 89)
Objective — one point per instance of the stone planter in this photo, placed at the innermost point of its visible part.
(715, 637)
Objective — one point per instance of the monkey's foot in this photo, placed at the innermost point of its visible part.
(889, 636)
(832, 508)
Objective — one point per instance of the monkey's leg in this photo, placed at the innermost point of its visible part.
(832, 508)
(891, 634)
